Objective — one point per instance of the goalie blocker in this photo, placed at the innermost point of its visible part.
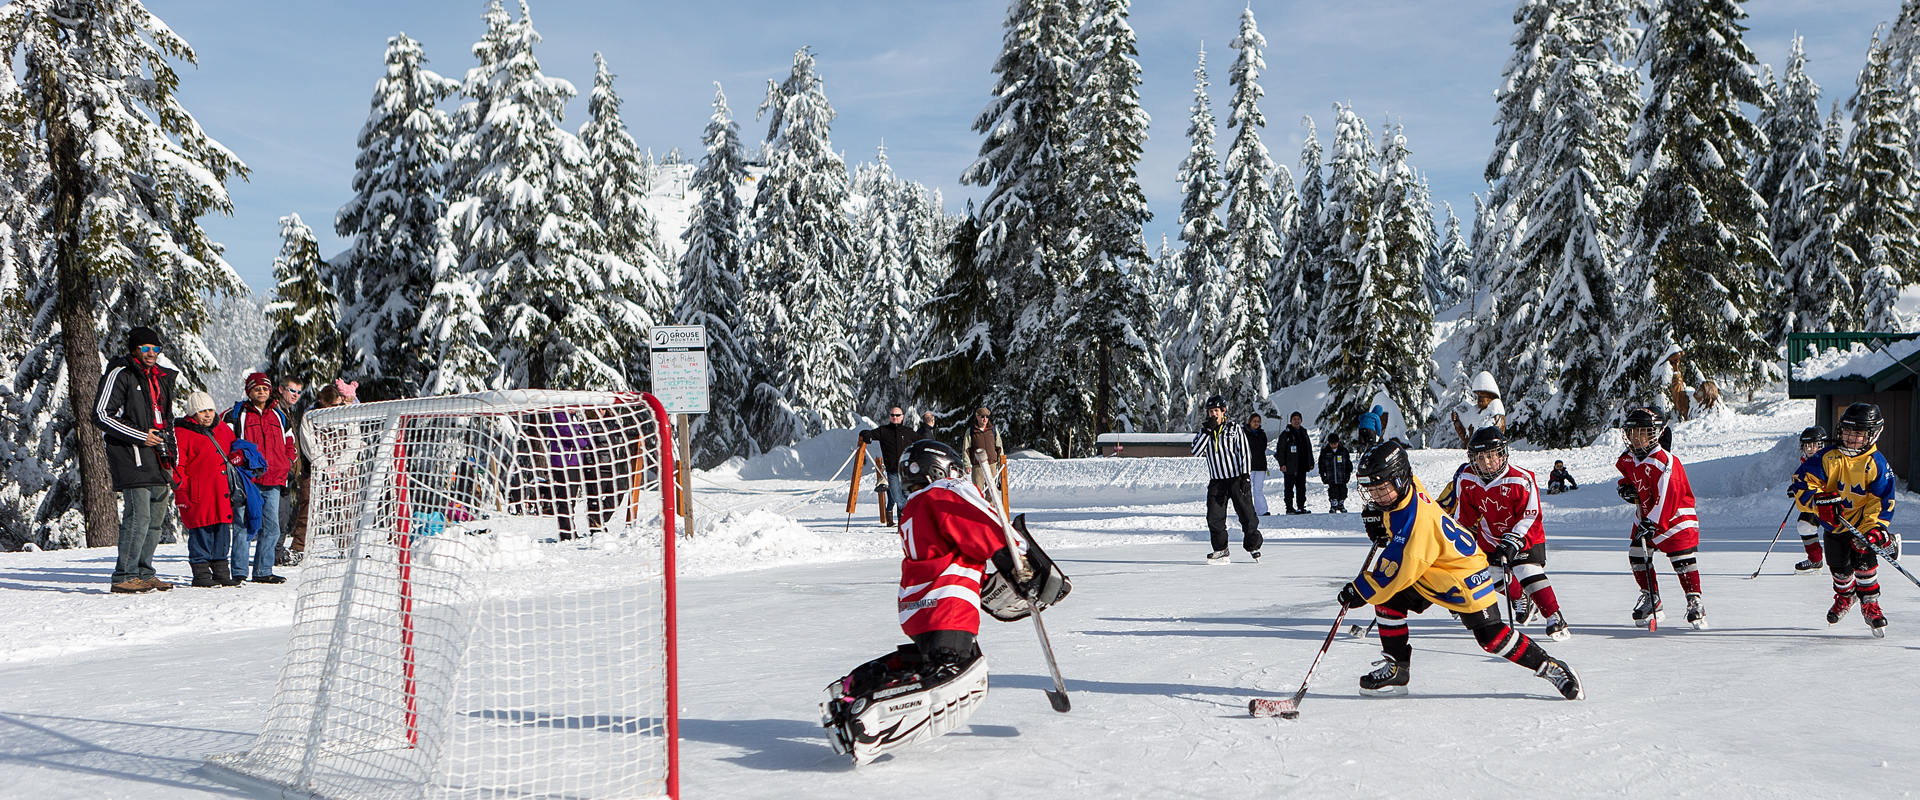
(951, 538)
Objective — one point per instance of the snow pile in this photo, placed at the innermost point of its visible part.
(819, 458)
(1310, 398)
(758, 538)
(1856, 362)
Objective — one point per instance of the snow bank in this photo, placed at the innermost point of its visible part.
(758, 538)
(1310, 398)
(1856, 362)
(819, 458)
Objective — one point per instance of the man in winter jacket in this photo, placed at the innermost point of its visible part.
(257, 420)
(293, 544)
(201, 491)
(1294, 451)
(133, 409)
(893, 437)
(983, 448)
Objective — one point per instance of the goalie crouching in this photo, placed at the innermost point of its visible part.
(956, 561)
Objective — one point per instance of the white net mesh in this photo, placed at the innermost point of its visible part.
(486, 606)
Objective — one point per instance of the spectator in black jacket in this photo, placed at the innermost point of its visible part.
(1257, 446)
(134, 411)
(1560, 480)
(1336, 469)
(1295, 454)
(894, 436)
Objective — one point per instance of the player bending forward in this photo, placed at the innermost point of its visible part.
(1812, 441)
(949, 534)
(1427, 558)
(1500, 503)
(1656, 483)
(1850, 483)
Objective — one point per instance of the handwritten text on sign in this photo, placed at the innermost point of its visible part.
(680, 368)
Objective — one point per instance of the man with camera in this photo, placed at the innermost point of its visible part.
(134, 409)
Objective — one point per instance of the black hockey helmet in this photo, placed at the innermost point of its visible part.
(1385, 462)
(1217, 401)
(926, 461)
(1865, 418)
(1488, 440)
(1647, 419)
(1813, 435)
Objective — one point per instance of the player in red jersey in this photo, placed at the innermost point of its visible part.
(1656, 483)
(1500, 503)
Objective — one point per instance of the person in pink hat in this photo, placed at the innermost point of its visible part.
(258, 420)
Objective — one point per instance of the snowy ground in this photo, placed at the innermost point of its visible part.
(117, 696)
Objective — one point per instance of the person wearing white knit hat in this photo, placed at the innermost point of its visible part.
(202, 491)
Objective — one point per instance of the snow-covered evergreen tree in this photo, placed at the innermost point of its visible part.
(305, 345)
(1692, 294)
(392, 225)
(1282, 280)
(1356, 263)
(1200, 286)
(1451, 280)
(1237, 357)
(524, 229)
(630, 252)
(1794, 178)
(1879, 292)
(121, 173)
(1403, 327)
(1297, 310)
(712, 287)
(1877, 218)
(803, 261)
(884, 332)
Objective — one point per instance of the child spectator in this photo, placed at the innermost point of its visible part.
(1560, 480)
(1336, 470)
(202, 491)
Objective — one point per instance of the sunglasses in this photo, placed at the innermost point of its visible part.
(148, 348)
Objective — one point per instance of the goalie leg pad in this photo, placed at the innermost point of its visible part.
(871, 713)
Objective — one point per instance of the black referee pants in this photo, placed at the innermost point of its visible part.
(1239, 491)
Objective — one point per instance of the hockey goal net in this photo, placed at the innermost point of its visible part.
(486, 607)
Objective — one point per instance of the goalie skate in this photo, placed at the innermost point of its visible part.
(900, 713)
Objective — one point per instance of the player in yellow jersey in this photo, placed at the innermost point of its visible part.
(1851, 482)
(1426, 559)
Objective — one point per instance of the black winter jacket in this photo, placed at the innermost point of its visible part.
(1257, 444)
(893, 438)
(123, 410)
(1294, 451)
(1336, 465)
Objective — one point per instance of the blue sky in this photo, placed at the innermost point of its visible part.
(287, 85)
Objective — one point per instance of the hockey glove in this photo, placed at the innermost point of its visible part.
(1509, 550)
(1350, 597)
(1374, 520)
(1646, 530)
(1827, 505)
(1878, 537)
(1627, 492)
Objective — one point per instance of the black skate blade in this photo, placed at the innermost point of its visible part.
(1059, 701)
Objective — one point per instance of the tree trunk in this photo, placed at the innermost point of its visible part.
(77, 334)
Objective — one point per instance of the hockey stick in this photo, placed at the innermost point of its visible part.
(1881, 551)
(1361, 633)
(1776, 540)
(1058, 696)
(1289, 707)
(1647, 551)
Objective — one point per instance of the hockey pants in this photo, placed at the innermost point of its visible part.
(1855, 571)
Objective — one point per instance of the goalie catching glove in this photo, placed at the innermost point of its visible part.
(1010, 599)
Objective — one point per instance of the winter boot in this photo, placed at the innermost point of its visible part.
(1218, 557)
(1807, 565)
(886, 517)
(135, 586)
(1557, 628)
(268, 579)
(1648, 608)
(202, 575)
(1561, 675)
(1696, 611)
(1870, 611)
(155, 583)
(222, 576)
(1389, 680)
(282, 557)
(1841, 602)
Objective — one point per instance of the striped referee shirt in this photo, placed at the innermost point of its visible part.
(1225, 449)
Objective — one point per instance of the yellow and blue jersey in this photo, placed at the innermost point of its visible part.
(1432, 554)
(1864, 483)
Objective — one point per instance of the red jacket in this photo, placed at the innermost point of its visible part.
(200, 479)
(947, 533)
(1510, 503)
(270, 433)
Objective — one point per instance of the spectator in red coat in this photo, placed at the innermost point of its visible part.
(201, 491)
(258, 420)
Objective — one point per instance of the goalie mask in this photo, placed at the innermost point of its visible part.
(1859, 428)
(927, 461)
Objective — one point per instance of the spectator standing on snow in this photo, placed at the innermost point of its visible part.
(202, 491)
(1224, 446)
(1294, 451)
(259, 420)
(894, 436)
(1485, 410)
(1257, 446)
(293, 542)
(1372, 425)
(983, 448)
(132, 410)
(1336, 471)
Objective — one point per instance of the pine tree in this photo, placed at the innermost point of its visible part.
(1880, 291)
(1451, 281)
(958, 348)
(712, 286)
(1404, 322)
(1200, 284)
(1877, 219)
(523, 225)
(305, 344)
(123, 174)
(1794, 178)
(1026, 220)
(1356, 262)
(803, 259)
(1299, 308)
(883, 322)
(1237, 357)
(392, 224)
(630, 253)
(1692, 305)
(1282, 279)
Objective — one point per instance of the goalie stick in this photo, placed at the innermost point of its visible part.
(1776, 540)
(1058, 695)
(1289, 707)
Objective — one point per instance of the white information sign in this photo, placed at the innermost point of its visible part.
(680, 368)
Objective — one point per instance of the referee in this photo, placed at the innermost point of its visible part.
(1228, 458)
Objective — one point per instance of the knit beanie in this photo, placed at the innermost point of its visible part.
(198, 402)
(140, 335)
(258, 379)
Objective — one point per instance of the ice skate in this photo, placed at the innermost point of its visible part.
(1562, 677)
(1557, 628)
(1523, 610)
(1841, 602)
(1808, 565)
(1696, 611)
(1870, 611)
(1218, 557)
(1648, 608)
(1390, 680)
